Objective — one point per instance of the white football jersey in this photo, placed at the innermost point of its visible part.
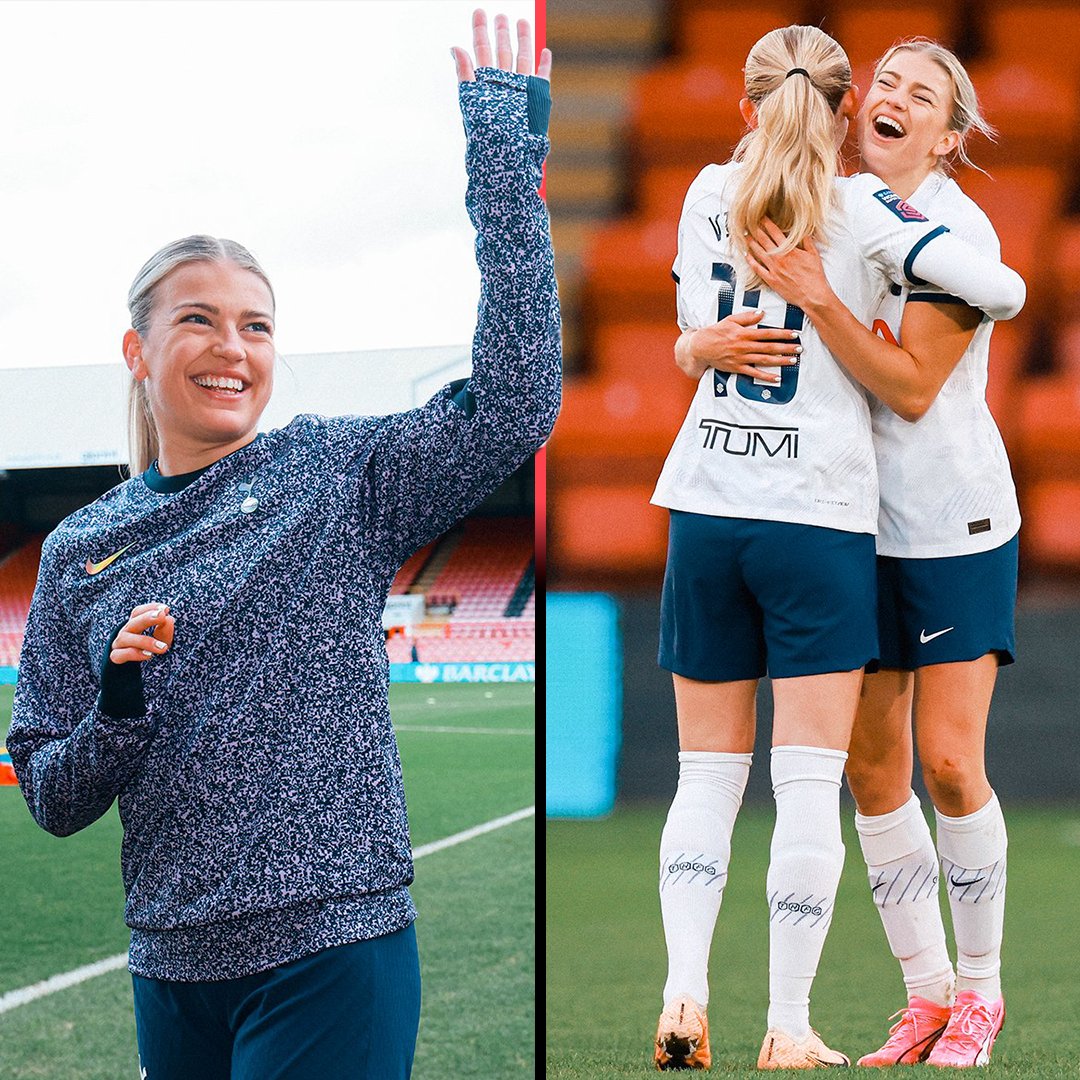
(800, 450)
(946, 486)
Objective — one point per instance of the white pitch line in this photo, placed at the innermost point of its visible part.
(14, 998)
(450, 730)
(476, 830)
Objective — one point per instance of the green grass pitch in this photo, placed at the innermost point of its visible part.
(61, 903)
(606, 963)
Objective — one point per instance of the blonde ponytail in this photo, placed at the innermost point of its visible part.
(790, 158)
(142, 431)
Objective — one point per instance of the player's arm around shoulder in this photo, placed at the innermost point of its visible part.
(938, 328)
(909, 246)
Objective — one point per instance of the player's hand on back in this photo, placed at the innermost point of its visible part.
(504, 54)
(738, 345)
(797, 275)
(148, 632)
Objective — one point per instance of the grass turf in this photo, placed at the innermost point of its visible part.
(606, 962)
(63, 903)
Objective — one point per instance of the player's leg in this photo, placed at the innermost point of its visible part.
(710, 641)
(350, 1012)
(817, 592)
(811, 728)
(182, 1029)
(716, 736)
(953, 689)
(952, 703)
(901, 864)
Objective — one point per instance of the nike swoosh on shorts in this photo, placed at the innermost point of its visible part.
(924, 637)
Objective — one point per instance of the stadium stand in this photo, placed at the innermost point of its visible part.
(411, 569)
(676, 110)
(480, 599)
(18, 575)
(486, 571)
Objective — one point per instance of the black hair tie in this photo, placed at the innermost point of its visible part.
(798, 71)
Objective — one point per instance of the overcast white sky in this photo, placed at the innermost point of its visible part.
(325, 136)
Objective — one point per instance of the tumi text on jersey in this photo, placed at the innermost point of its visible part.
(746, 440)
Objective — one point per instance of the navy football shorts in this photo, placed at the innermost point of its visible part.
(943, 611)
(350, 1012)
(744, 598)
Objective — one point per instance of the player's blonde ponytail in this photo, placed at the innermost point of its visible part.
(143, 444)
(796, 78)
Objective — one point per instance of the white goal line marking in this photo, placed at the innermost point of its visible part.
(450, 730)
(14, 998)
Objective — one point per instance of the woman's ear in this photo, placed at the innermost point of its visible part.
(749, 112)
(133, 355)
(849, 103)
(947, 143)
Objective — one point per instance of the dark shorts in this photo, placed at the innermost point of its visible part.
(745, 598)
(347, 1013)
(943, 611)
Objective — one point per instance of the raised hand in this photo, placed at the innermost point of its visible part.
(133, 643)
(504, 55)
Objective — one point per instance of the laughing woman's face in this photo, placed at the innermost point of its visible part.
(207, 358)
(904, 120)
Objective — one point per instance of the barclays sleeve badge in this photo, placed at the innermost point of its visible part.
(903, 210)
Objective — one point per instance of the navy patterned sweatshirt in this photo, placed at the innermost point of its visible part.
(260, 786)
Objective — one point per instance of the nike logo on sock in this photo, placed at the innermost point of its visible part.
(924, 637)
(961, 884)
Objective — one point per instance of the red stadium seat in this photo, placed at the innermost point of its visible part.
(607, 528)
(18, 576)
(686, 113)
(1050, 537)
(637, 350)
(485, 567)
(1036, 111)
(661, 191)
(1022, 203)
(867, 30)
(627, 270)
(725, 35)
(409, 570)
(1043, 35)
(1008, 348)
(1048, 438)
(1067, 266)
(619, 418)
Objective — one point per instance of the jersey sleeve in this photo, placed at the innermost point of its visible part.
(971, 225)
(912, 249)
(686, 275)
(422, 470)
(71, 759)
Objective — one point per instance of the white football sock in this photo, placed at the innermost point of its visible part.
(903, 869)
(972, 850)
(694, 851)
(807, 856)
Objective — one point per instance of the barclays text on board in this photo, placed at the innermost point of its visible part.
(423, 673)
(463, 673)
